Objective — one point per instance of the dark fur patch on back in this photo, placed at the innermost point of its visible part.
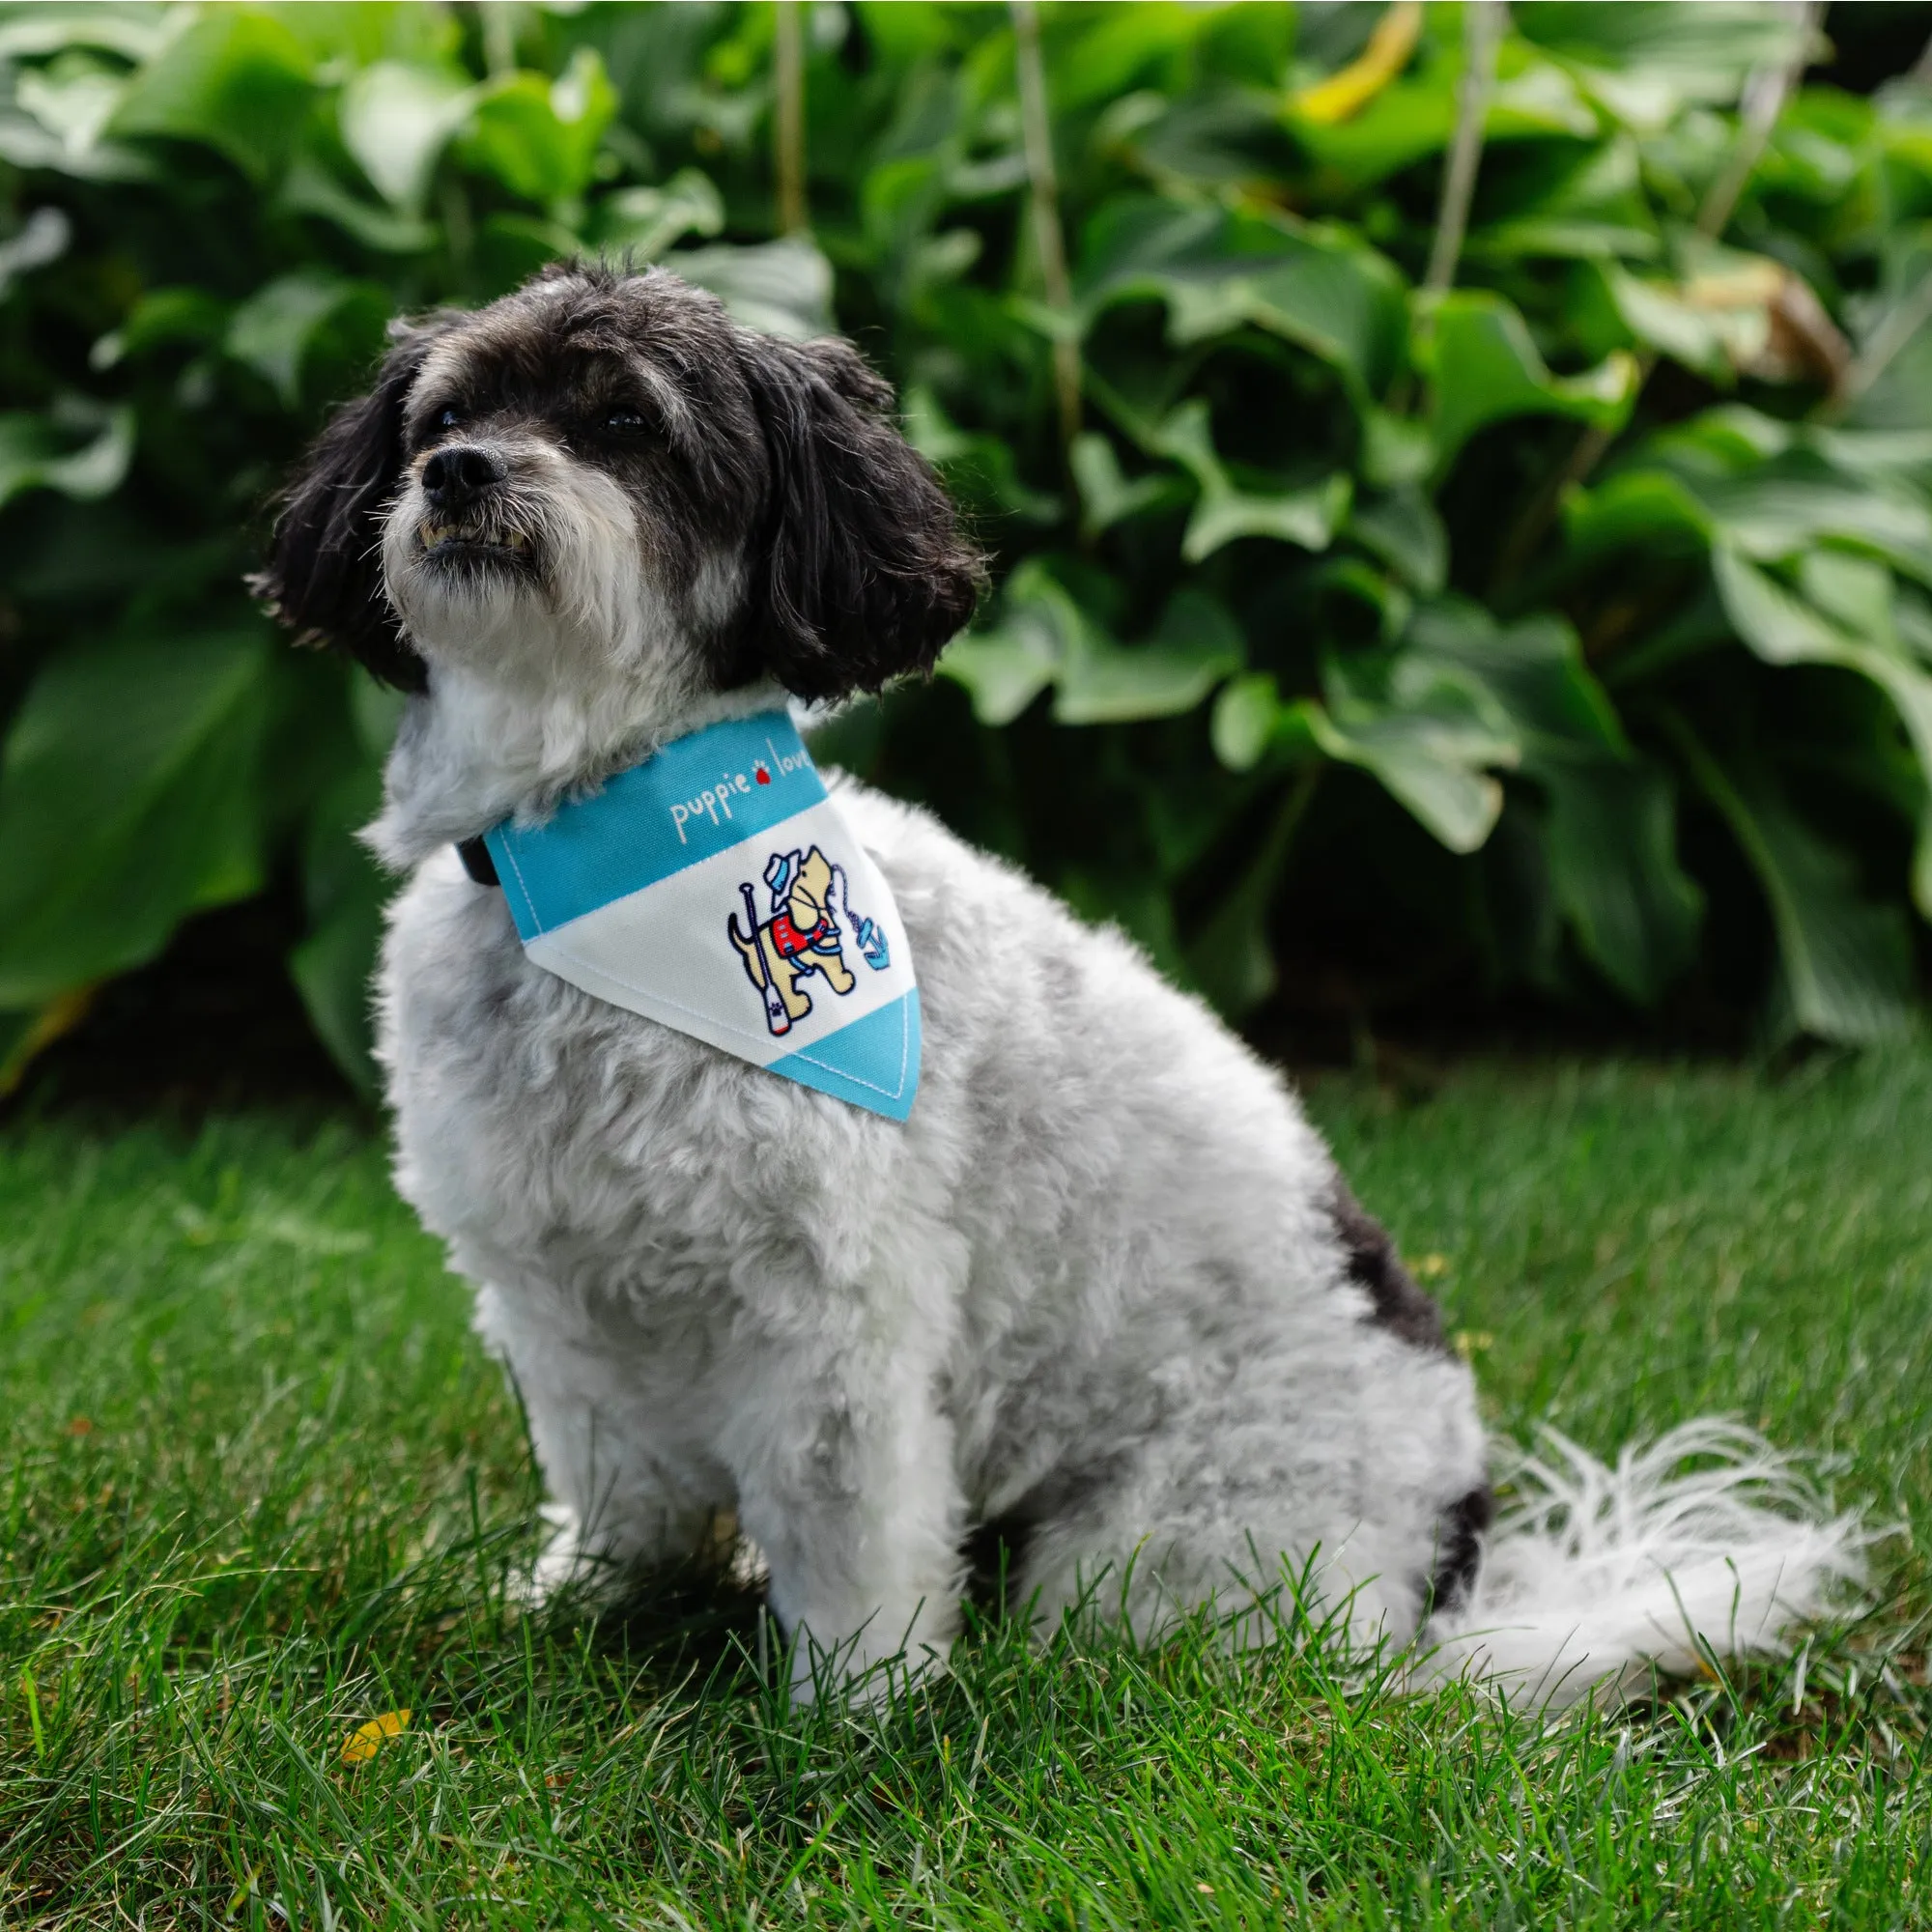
(1400, 1305)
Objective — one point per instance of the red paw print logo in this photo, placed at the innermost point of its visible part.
(763, 777)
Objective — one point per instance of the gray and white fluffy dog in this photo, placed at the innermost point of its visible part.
(1105, 1290)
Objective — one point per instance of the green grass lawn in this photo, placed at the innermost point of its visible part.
(260, 1486)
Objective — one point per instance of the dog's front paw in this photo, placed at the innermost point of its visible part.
(568, 1563)
(868, 1669)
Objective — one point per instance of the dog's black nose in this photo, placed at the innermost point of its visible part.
(459, 473)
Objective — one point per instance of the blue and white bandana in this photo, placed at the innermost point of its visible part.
(716, 889)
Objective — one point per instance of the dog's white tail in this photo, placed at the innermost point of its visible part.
(1595, 1576)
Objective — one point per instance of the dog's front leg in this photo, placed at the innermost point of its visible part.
(845, 1482)
(630, 1489)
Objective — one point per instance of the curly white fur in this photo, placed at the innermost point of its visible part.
(1600, 1575)
(1094, 1283)
(1092, 1279)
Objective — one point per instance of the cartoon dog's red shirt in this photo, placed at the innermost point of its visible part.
(790, 941)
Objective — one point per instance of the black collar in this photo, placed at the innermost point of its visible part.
(477, 862)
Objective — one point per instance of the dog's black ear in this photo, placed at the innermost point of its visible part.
(324, 570)
(860, 573)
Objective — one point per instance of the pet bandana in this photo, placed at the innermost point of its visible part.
(716, 889)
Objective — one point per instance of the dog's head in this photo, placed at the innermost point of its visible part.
(811, 889)
(602, 477)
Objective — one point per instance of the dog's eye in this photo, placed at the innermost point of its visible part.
(625, 422)
(448, 418)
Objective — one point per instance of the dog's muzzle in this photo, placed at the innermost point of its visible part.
(467, 505)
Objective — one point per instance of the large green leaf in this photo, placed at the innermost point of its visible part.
(128, 797)
(1307, 514)
(334, 966)
(1752, 493)
(1125, 45)
(642, 222)
(1431, 733)
(33, 32)
(539, 137)
(1230, 961)
(1218, 271)
(54, 120)
(1402, 528)
(1899, 319)
(1484, 368)
(1647, 60)
(397, 117)
(59, 115)
(1229, 138)
(160, 315)
(1637, 508)
(310, 189)
(1560, 202)
(1772, 492)
(1611, 836)
(1042, 637)
(1533, 667)
(1195, 645)
(1713, 341)
(783, 286)
(1005, 665)
(1785, 627)
(980, 470)
(1773, 489)
(1611, 843)
(1533, 99)
(273, 331)
(1778, 514)
(1845, 965)
(39, 452)
(361, 31)
(236, 80)
(1107, 495)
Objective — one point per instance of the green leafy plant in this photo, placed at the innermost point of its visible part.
(1460, 484)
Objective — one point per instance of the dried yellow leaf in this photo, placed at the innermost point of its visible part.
(59, 1015)
(1351, 89)
(1746, 284)
(1800, 341)
(366, 1740)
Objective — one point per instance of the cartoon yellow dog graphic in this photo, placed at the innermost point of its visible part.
(801, 936)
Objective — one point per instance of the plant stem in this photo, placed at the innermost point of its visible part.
(1584, 455)
(789, 117)
(1906, 320)
(1230, 963)
(1764, 97)
(1048, 237)
(1763, 100)
(500, 38)
(1482, 32)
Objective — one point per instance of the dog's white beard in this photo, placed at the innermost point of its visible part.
(594, 620)
(537, 685)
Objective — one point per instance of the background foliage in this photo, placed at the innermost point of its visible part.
(1375, 621)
